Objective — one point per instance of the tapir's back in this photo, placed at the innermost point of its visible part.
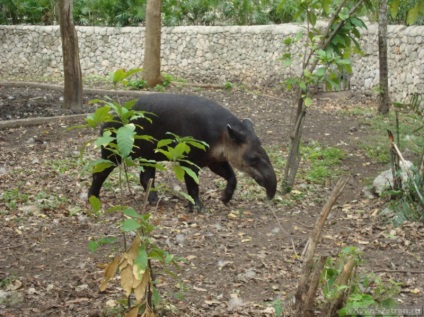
(185, 115)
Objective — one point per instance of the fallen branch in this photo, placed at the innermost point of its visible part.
(92, 91)
(306, 287)
(178, 84)
(7, 124)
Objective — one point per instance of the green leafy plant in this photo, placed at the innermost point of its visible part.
(228, 85)
(135, 264)
(364, 291)
(121, 76)
(325, 54)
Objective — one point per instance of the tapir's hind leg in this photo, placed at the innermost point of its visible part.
(225, 170)
(145, 176)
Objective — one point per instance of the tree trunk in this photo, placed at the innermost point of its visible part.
(71, 63)
(293, 160)
(151, 63)
(384, 105)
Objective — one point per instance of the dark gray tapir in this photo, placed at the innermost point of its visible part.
(232, 142)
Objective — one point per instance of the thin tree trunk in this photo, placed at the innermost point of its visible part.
(384, 105)
(294, 157)
(71, 63)
(151, 63)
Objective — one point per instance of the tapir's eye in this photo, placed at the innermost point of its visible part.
(252, 160)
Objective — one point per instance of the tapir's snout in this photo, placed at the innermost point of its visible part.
(265, 176)
(271, 188)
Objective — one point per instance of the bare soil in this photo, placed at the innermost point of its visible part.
(240, 257)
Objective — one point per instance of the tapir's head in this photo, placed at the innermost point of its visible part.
(245, 152)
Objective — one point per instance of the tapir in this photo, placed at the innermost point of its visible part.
(232, 143)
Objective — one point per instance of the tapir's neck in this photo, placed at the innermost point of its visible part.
(226, 150)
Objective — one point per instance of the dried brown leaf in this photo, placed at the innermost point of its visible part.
(132, 252)
(140, 290)
(127, 280)
(133, 312)
(110, 272)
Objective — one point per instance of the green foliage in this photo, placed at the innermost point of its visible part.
(409, 205)
(132, 12)
(363, 290)
(322, 162)
(123, 130)
(27, 12)
(228, 85)
(411, 131)
(406, 12)
(120, 75)
(326, 57)
(11, 198)
(93, 245)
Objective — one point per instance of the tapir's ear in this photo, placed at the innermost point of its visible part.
(248, 124)
(237, 135)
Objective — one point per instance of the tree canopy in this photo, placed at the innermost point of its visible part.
(177, 12)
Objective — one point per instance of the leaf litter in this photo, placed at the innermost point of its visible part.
(240, 258)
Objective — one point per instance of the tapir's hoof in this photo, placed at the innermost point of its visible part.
(153, 198)
(226, 197)
(198, 208)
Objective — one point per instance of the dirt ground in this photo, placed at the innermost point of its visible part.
(240, 257)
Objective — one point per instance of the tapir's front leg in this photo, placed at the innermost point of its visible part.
(225, 170)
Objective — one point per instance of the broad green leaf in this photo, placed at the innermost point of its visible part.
(343, 62)
(358, 22)
(130, 225)
(118, 76)
(322, 54)
(320, 72)
(179, 150)
(198, 144)
(105, 139)
(141, 261)
(95, 203)
(99, 116)
(125, 139)
(186, 196)
(157, 254)
(167, 154)
(169, 258)
(101, 165)
(179, 172)
(131, 213)
(412, 15)
(308, 101)
(312, 17)
(191, 173)
(144, 137)
(326, 5)
(344, 14)
(302, 86)
(164, 142)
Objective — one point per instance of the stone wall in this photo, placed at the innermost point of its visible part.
(247, 54)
